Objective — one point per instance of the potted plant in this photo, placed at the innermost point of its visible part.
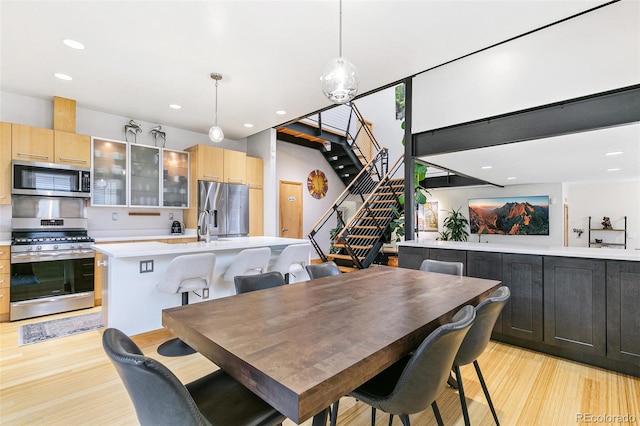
(455, 227)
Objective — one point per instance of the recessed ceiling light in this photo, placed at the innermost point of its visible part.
(613, 170)
(512, 178)
(614, 153)
(248, 125)
(281, 112)
(486, 167)
(62, 76)
(174, 106)
(73, 44)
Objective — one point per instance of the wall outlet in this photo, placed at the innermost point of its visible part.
(114, 216)
(146, 266)
(205, 293)
(170, 216)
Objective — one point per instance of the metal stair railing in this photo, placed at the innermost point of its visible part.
(347, 121)
(356, 192)
(372, 219)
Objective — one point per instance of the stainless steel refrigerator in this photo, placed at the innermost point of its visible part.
(226, 208)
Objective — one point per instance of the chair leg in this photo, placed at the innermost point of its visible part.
(334, 413)
(486, 391)
(463, 400)
(451, 381)
(405, 419)
(373, 416)
(390, 419)
(436, 412)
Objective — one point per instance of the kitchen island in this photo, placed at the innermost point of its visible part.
(130, 300)
(574, 302)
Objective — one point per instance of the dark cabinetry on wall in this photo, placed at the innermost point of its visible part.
(486, 265)
(582, 309)
(623, 311)
(522, 315)
(575, 304)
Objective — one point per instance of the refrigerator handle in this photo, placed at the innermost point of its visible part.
(215, 218)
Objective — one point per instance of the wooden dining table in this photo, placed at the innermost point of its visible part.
(302, 346)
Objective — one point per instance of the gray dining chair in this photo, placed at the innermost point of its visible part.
(325, 269)
(476, 341)
(159, 398)
(442, 267)
(247, 283)
(413, 383)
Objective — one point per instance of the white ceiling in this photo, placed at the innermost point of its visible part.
(577, 157)
(141, 56)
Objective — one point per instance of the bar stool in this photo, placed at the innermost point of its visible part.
(292, 260)
(249, 262)
(184, 274)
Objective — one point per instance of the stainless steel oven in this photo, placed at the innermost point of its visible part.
(52, 263)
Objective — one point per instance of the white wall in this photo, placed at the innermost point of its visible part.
(604, 199)
(294, 164)
(449, 198)
(380, 109)
(592, 53)
(263, 145)
(15, 108)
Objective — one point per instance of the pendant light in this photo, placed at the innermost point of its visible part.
(215, 133)
(340, 78)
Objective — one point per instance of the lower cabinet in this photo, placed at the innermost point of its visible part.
(575, 304)
(522, 315)
(489, 266)
(412, 257)
(449, 256)
(623, 311)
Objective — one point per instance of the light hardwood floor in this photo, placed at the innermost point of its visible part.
(70, 381)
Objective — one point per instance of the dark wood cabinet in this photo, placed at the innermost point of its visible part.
(486, 265)
(449, 256)
(623, 311)
(522, 315)
(412, 257)
(575, 304)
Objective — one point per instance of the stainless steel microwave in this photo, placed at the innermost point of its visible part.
(31, 178)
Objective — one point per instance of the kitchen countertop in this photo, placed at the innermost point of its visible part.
(128, 250)
(585, 252)
(128, 235)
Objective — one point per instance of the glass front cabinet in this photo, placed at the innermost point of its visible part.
(131, 175)
(109, 173)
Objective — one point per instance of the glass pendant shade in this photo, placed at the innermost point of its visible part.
(340, 80)
(216, 134)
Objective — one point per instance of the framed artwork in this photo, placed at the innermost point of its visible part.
(428, 217)
(317, 184)
(509, 215)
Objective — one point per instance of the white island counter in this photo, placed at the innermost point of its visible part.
(130, 300)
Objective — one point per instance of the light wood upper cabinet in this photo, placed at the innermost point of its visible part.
(207, 163)
(5, 163)
(235, 166)
(254, 172)
(72, 149)
(31, 143)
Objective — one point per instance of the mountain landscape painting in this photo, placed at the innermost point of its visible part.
(509, 216)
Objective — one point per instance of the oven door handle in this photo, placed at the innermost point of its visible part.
(43, 256)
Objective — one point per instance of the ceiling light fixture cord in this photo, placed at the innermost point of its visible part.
(216, 102)
(340, 33)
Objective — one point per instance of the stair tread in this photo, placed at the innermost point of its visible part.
(342, 256)
(356, 247)
(347, 269)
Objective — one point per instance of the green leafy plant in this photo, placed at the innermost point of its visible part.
(397, 225)
(333, 233)
(455, 227)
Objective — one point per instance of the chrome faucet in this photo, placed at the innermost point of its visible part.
(203, 225)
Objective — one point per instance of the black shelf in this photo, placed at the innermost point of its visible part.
(603, 243)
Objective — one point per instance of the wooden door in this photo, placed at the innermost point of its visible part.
(290, 209)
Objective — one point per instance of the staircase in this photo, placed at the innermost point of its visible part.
(356, 240)
(341, 135)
